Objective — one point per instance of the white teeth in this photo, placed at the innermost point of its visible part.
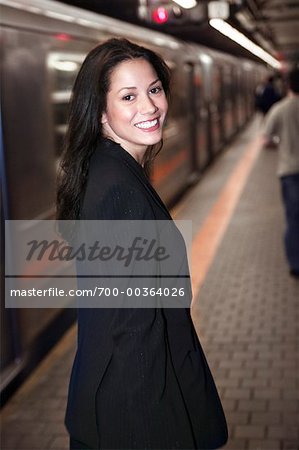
(148, 124)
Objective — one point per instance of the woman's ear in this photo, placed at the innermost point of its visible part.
(104, 118)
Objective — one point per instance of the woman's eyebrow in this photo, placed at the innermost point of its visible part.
(154, 82)
(128, 87)
(134, 87)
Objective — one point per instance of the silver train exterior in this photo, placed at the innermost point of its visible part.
(43, 45)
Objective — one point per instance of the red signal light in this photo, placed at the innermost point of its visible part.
(160, 15)
(63, 37)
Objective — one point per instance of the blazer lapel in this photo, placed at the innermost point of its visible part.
(154, 195)
(137, 170)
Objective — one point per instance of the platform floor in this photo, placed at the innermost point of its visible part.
(246, 312)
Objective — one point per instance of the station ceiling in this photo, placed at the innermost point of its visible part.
(272, 24)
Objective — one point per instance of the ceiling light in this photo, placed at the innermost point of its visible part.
(226, 29)
(187, 4)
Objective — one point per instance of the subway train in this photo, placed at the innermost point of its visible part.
(43, 45)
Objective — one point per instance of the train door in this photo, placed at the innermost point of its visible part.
(242, 95)
(215, 109)
(221, 106)
(173, 166)
(228, 118)
(234, 97)
(193, 114)
(9, 343)
(249, 91)
(239, 100)
(199, 122)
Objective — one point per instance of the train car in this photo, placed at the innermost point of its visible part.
(43, 45)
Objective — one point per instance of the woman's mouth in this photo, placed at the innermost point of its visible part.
(148, 125)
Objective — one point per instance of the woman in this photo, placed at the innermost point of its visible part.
(140, 379)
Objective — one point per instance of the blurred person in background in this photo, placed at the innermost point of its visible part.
(282, 129)
(266, 95)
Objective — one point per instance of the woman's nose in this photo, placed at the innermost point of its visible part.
(147, 105)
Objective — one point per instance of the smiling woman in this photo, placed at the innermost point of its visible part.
(140, 379)
(136, 107)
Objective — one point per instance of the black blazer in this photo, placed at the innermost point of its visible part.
(140, 379)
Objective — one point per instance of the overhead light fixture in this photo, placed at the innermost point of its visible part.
(218, 9)
(231, 32)
(187, 4)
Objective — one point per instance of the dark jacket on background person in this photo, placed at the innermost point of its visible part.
(266, 96)
(140, 379)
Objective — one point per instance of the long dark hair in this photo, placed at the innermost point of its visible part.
(87, 105)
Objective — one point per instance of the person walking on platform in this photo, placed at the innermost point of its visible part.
(282, 123)
(266, 95)
(140, 379)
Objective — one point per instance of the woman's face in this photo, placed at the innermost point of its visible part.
(136, 107)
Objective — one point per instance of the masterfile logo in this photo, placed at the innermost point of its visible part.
(104, 263)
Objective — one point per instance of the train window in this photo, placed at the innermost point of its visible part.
(227, 84)
(177, 93)
(63, 68)
(216, 85)
(198, 82)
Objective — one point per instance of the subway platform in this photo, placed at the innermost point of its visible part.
(245, 309)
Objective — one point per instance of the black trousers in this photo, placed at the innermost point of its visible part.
(290, 189)
(76, 445)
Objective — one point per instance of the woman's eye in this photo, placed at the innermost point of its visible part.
(156, 90)
(128, 97)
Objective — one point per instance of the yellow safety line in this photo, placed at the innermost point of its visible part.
(209, 236)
